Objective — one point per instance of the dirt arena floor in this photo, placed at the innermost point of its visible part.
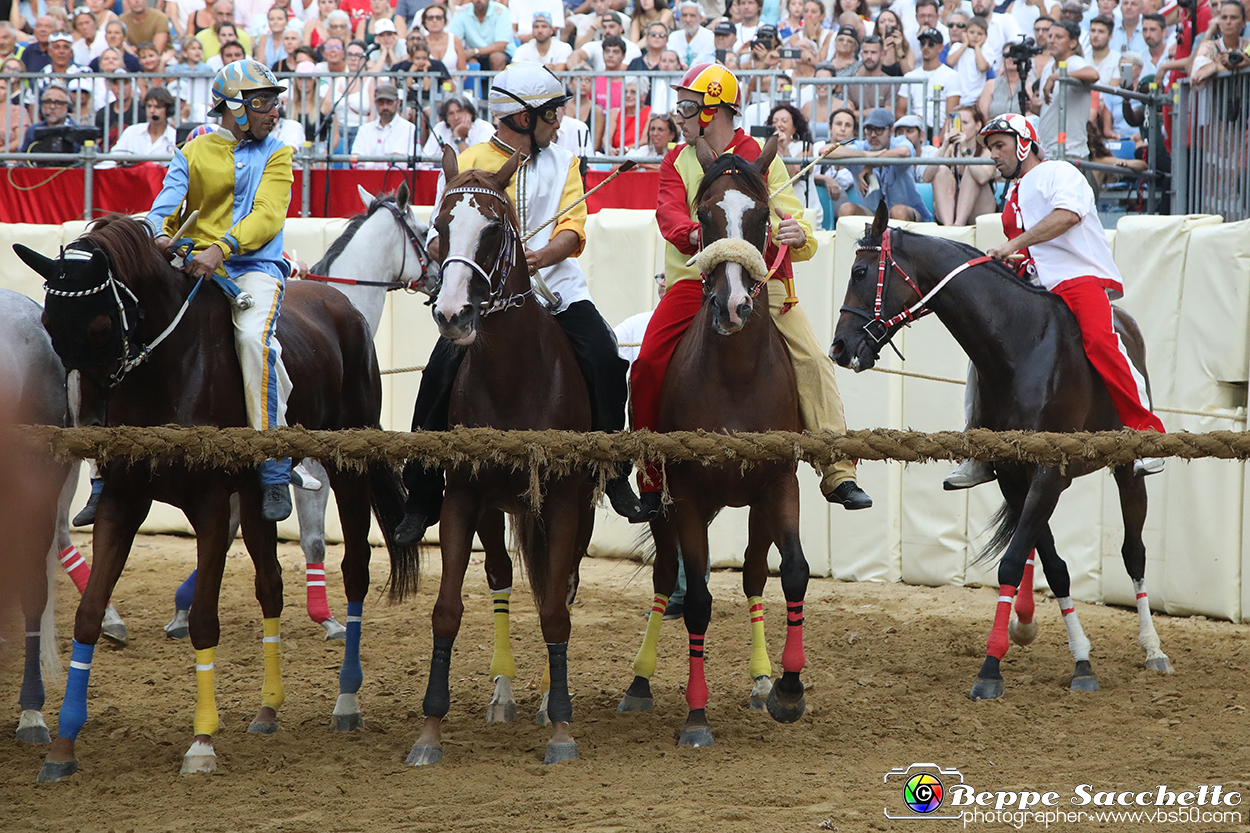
(889, 668)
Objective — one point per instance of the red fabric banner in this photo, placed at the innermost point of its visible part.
(55, 195)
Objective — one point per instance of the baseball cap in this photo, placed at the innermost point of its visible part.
(383, 26)
(725, 26)
(766, 30)
(57, 37)
(909, 120)
(880, 117)
(849, 31)
(387, 92)
(931, 35)
(613, 16)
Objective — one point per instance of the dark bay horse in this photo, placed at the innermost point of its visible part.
(1033, 375)
(111, 298)
(519, 372)
(731, 372)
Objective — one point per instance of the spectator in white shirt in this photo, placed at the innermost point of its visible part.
(943, 81)
(592, 52)
(1100, 54)
(157, 136)
(970, 62)
(525, 11)
(1000, 29)
(693, 43)
(542, 48)
(927, 18)
(386, 135)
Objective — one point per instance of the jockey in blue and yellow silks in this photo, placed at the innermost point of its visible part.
(239, 178)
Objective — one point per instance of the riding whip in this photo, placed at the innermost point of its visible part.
(625, 166)
(783, 186)
(179, 260)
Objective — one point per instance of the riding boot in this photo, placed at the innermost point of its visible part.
(970, 473)
(621, 495)
(86, 517)
(425, 483)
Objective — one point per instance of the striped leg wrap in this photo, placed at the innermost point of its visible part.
(792, 658)
(759, 665)
(76, 566)
(501, 662)
(696, 688)
(206, 698)
(644, 663)
(31, 696)
(318, 607)
(272, 693)
(1078, 642)
(74, 709)
(351, 675)
(996, 646)
(1024, 599)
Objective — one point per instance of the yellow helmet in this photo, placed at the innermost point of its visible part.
(717, 85)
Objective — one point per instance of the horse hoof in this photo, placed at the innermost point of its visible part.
(630, 703)
(263, 727)
(501, 713)
(53, 771)
(1086, 683)
(760, 693)
(34, 734)
(696, 736)
(785, 712)
(557, 752)
(423, 755)
(334, 629)
(1160, 664)
(540, 717)
(1022, 633)
(987, 689)
(200, 758)
(178, 627)
(348, 722)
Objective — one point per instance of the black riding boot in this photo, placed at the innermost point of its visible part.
(425, 483)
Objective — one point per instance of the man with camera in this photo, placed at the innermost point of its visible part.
(56, 132)
(1222, 49)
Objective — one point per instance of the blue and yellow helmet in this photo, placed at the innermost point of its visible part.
(235, 81)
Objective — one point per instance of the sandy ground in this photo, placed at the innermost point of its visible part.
(889, 668)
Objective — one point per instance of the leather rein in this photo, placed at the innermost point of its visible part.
(414, 242)
(495, 302)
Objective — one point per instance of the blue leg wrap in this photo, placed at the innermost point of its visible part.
(276, 472)
(185, 593)
(351, 675)
(97, 485)
(31, 695)
(74, 709)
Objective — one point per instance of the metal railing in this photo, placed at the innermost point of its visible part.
(1210, 153)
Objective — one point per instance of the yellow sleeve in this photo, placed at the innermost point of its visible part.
(575, 220)
(269, 208)
(787, 203)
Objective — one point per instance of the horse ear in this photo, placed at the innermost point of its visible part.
(767, 155)
(450, 166)
(365, 196)
(45, 266)
(401, 196)
(704, 153)
(881, 221)
(504, 175)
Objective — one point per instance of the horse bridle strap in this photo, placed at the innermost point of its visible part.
(414, 240)
(507, 252)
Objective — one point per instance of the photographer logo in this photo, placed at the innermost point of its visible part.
(923, 790)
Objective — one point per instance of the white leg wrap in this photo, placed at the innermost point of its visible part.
(1147, 638)
(346, 705)
(1078, 642)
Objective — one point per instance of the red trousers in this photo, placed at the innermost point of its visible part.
(1088, 301)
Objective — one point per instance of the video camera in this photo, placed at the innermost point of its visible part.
(64, 138)
(1022, 51)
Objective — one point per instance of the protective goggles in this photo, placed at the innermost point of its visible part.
(261, 102)
(550, 112)
(688, 109)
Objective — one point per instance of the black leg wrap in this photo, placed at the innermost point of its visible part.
(437, 697)
(31, 695)
(559, 704)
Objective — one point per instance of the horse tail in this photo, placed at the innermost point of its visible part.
(387, 495)
(535, 546)
(1005, 521)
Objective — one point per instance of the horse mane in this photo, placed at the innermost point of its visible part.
(476, 178)
(994, 267)
(128, 244)
(741, 171)
(353, 226)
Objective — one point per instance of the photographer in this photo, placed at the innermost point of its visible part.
(54, 107)
(897, 59)
(1222, 49)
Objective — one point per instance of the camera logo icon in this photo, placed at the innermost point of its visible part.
(923, 789)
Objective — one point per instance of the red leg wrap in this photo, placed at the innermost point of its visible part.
(792, 658)
(696, 688)
(1024, 599)
(318, 607)
(996, 647)
(77, 567)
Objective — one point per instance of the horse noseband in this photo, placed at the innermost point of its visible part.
(494, 302)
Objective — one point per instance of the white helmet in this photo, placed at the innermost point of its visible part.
(525, 86)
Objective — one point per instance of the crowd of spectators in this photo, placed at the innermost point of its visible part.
(908, 78)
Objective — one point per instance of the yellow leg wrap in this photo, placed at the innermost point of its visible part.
(272, 694)
(644, 663)
(759, 666)
(206, 701)
(501, 663)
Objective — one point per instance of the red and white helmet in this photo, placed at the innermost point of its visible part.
(1016, 125)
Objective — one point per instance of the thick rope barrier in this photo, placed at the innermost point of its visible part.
(564, 451)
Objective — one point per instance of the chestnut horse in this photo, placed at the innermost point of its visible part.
(519, 372)
(731, 372)
(1032, 376)
(154, 348)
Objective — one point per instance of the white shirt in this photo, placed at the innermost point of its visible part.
(631, 331)
(523, 15)
(943, 77)
(594, 54)
(574, 136)
(539, 186)
(1108, 68)
(971, 79)
(697, 50)
(1003, 30)
(480, 131)
(136, 139)
(1077, 104)
(1082, 250)
(377, 139)
(290, 133)
(558, 52)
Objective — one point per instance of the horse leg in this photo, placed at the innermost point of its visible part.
(786, 703)
(178, 627)
(490, 531)
(560, 531)
(33, 574)
(638, 696)
(117, 522)
(754, 577)
(456, 524)
(352, 495)
(262, 542)
(210, 518)
(310, 507)
(586, 525)
(692, 536)
(1133, 510)
(1022, 629)
(1083, 678)
(113, 628)
(1036, 504)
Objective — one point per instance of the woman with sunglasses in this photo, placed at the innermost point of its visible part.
(647, 12)
(444, 46)
(88, 39)
(355, 100)
(656, 43)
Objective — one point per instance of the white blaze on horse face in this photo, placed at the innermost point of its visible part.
(734, 205)
(464, 233)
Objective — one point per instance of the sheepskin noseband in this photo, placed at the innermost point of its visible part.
(731, 250)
